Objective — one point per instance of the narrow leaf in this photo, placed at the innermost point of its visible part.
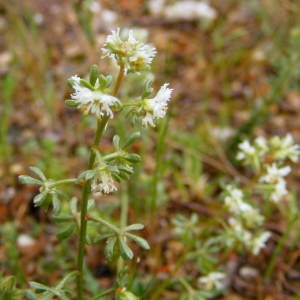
(39, 286)
(109, 248)
(39, 199)
(71, 103)
(116, 142)
(134, 227)
(38, 172)
(66, 233)
(94, 73)
(29, 180)
(126, 252)
(140, 241)
(132, 139)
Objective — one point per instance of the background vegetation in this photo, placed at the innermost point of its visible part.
(236, 77)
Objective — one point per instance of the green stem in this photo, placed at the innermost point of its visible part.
(63, 181)
(188, 288)
(83, 209)
(124, 217)
(104, 222)
(86, 191)
(132, 103)
(158, 163)
(278, 249)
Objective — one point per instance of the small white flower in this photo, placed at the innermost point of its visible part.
(25, 240)
(239, 232)
(156, 107)
(279, 191)
(103, 183)
(261, 145)
(246, 149)
(222, 133)
(156, 7)
(190, 10)
(285, 148)
(274, 173)
(92, 102)
(129, 52)
(259, 241)
(234, 199)
(213, 280)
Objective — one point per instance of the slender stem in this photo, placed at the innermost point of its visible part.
(63, 181)
(102, 221)
(132, 103)
(83, 209)
(123, 221)
(101, 124)
(278, 249)
(158, 163)
(119, 79)
(124, 206)
(107, 292)
(188, 288)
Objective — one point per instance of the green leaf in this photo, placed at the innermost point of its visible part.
(86, 175)
(29, 180)
(109, 248)
(71, 82)
(91, 204)
(94, 73)
(38, 172)
(126, 252)
(102, 294)
(140, 241)
(134, 227)
(109, 80)
(116, 142)
(126, 170)
(132, 139)
(39, 286)
(86, 84)
(148, 89)
(30, 295)
(102, 82)
(67, 232)
(62, 218)
(7, 283)
(68, 277)
(56, 204)
(127, 295)
(73, 205)
(40, 198)
(71, 103)
(132, 157)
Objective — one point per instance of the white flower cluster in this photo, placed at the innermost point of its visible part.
(213, 280)
(128, 51)
(274, 178)
(235, 203)
(94, 97)
(267, 157)
(244, 216)
(189, 10)
(103, 182)
(254, 241)
(156, 108)
(285, 148)
(95, 102)
(184, 10)
(252, 154)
